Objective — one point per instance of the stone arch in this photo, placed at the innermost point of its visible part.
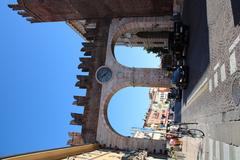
(123, 77)
(107, 135)
(106, 101)
(140, 24)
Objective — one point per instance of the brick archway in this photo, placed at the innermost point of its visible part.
(101, 26)
(123, 77)
(134, 25)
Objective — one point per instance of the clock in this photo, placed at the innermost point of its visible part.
(103, 74)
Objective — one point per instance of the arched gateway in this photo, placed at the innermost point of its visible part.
(121, 76)
(102, 25)
(112, 76)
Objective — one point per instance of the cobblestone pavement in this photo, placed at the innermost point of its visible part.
(207, 149)
(212, 98)
(191, 149)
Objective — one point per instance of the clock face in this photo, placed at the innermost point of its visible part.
(104, 74)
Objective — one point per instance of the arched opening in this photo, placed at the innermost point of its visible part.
(135, 38)
(142, 49)
(123, 115)
(136, 57)
(139, 112)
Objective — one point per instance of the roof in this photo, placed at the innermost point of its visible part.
(63, 10)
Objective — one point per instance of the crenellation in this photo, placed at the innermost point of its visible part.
(24, 13)
(74, 122)
(87, 49)
(20, 7)
(89, 129)
(84, 82)
(49, 11)
(33, 20)
(76, 139)
(87, 64)
(16, 7)
(88, 44)
(89, 53)
(78, 119)
(80, 100)
(85, 67)
(83, 78)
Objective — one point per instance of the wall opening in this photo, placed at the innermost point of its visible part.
(136, 57)
(140, 112)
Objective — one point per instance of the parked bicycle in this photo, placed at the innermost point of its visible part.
(195, 133)
(182, 130)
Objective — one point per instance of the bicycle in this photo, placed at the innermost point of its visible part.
(182, 130)
(194, 133)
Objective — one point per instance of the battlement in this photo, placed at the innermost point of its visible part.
(75, 139)
(80, 100)
(84, 82)
(49, 11)
(78, 119)
(87, 64)
(24, 12)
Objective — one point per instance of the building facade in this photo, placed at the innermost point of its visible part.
(103, 25)
(157, 116)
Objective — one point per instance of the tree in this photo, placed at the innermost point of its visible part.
(159, 51)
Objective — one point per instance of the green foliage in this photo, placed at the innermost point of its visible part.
(159, 51)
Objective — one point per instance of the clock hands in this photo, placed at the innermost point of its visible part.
(104, 73)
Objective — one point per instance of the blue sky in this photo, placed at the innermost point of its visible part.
(131, 102)
(38, 67)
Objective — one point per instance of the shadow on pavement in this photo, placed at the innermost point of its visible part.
(177, 112)
(198, 57)
(236, 11)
